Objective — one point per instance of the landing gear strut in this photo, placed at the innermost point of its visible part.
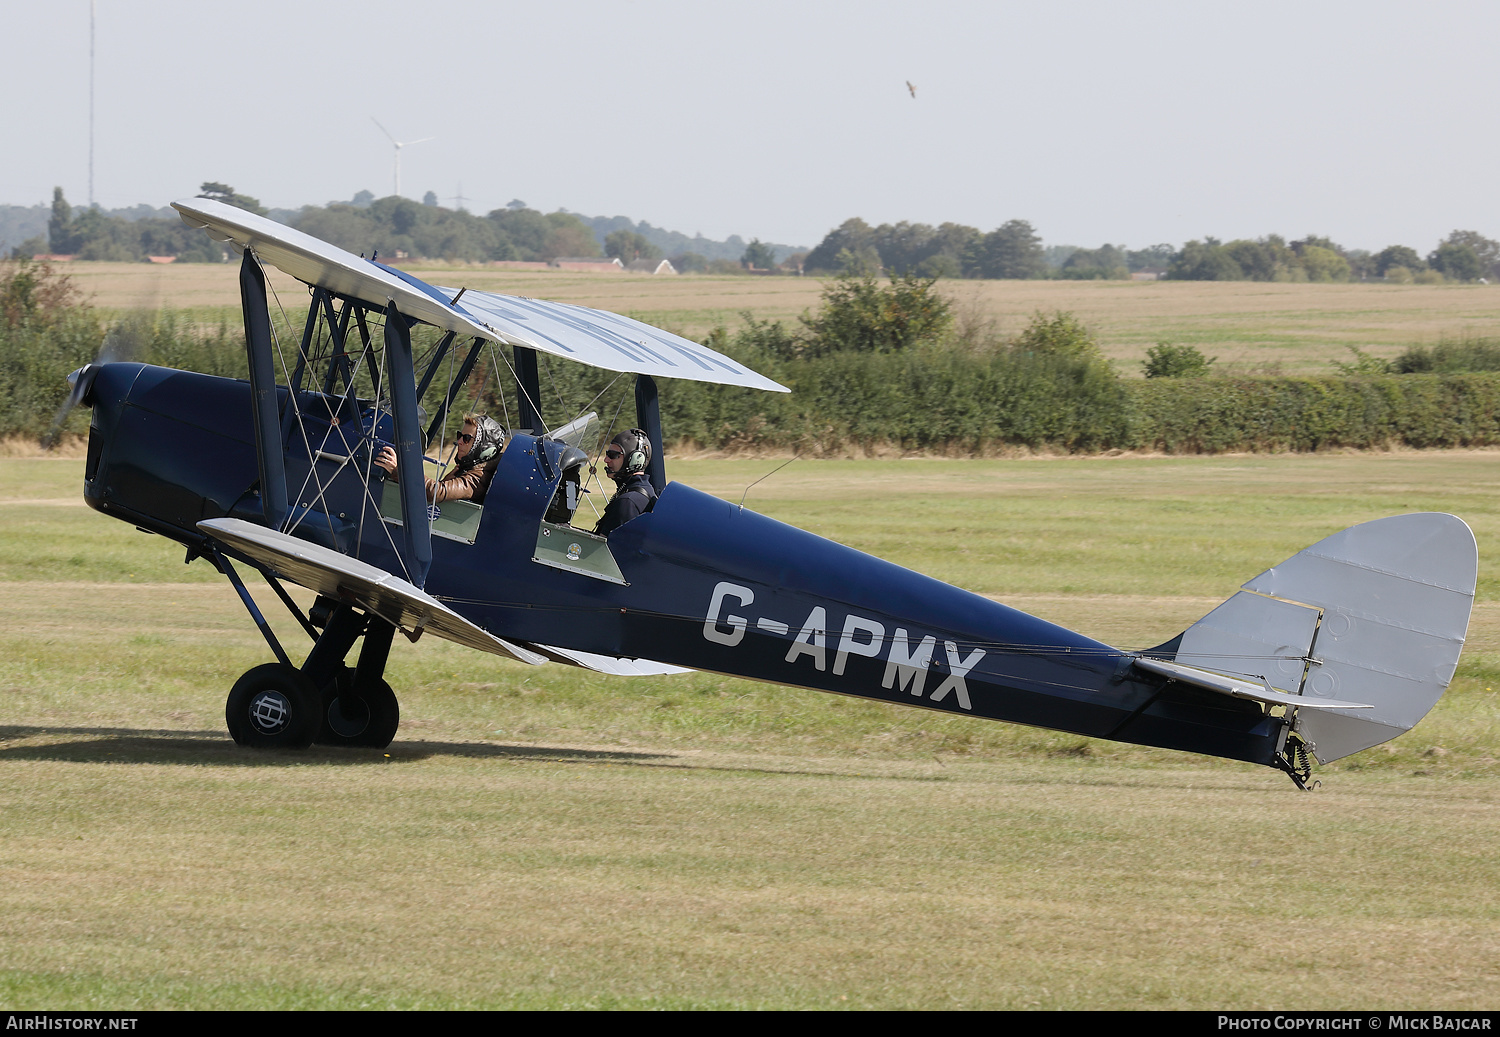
(357, 706)
(282, 706)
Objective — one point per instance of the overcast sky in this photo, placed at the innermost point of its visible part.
(1130, 123)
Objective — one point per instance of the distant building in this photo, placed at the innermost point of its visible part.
(519, 264)
(162, 259)
(650, 266)
(588, 264)
(44, 257)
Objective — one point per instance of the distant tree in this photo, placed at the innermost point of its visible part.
(1165, 360)
(1361, 263)
(941, 264)
(60, 238)
(1205, 260)
(1257, 260)
(1486, 250)
(516, 203)
(758, 256)
(907, 247)
(628, 246)
(226, 194)
(1318, 241)
(403, 215)
(864, 262)
(1083, 264)
(1457, 262)
(567, 235)
(689, 263)
(853, 236)
(1012, 250)
(1397, 255)
(362, 199)
(1057, 255)
(1324, 264)
(430, 198)
(1155, 258)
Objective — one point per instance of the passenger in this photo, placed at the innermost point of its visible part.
(480, 443)
(625, 461)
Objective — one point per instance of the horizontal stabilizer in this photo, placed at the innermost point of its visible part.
(1238, 688)
(348, 579)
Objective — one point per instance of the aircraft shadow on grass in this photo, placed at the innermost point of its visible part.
(127, 745)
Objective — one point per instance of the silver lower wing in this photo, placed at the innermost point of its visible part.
(348, 579)
(398, 602)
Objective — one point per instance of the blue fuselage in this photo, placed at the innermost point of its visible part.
(708, 584)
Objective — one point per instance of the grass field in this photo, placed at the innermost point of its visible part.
(543, 838)
(1250, 327)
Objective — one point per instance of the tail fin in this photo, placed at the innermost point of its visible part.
(1372, 617)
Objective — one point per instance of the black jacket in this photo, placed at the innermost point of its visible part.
(634, 497)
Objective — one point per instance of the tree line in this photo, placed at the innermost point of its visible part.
(1015, 250)
(395, 227)
(398, 227)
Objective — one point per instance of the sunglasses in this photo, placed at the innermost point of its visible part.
(613, 453)
(464, 437)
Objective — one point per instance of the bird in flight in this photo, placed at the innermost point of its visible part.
(911, 88)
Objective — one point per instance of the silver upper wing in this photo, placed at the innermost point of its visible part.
(594, 337)
(603, 339)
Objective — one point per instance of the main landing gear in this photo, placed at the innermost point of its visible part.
(282, 706)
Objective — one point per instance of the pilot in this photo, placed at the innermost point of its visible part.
(625, 461)
(481, 440)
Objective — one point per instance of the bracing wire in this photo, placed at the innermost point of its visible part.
(594, 465)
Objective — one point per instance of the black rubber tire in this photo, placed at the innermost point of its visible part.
(373, 726)
(272, 707)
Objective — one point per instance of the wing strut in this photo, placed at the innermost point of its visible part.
(269, 454)
(402, 381)
(648, 413)
(530, 403)
(338, 328)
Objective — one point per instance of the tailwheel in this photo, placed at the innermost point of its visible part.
(272, 706)
(360, 717)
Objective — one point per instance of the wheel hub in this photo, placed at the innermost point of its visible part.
(270, 712)
(350, 724)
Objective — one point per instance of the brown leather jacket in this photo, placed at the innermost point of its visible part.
(456, 485)
(460, 485)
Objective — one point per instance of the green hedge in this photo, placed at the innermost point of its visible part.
(1209, 415)
(951, 403)
(924, 399)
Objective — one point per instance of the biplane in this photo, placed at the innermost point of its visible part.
(1341, 647)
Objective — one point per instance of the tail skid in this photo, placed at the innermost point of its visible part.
(1356, 637)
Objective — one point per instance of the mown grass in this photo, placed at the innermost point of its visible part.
(545, 838)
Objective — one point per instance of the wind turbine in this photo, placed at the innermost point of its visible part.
(399, 145)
